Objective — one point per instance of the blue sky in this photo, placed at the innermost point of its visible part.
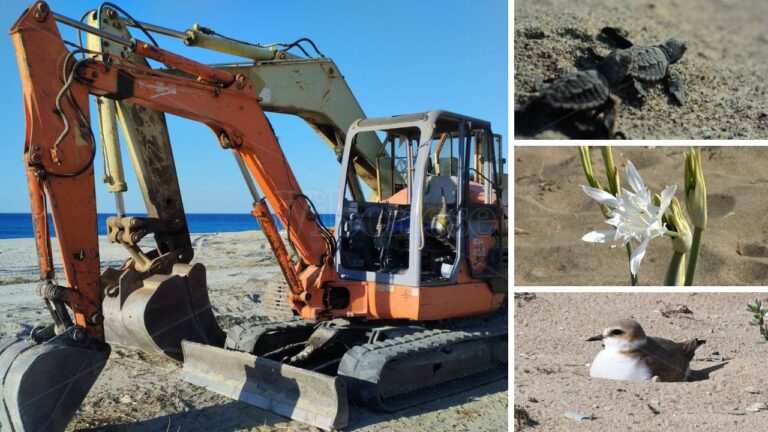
(398, 57)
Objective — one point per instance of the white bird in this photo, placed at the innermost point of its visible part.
(628, 354)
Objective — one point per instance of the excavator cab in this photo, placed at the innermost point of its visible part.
(440, 205)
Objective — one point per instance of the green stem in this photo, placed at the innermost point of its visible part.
(586, 163)
(694, 256)
(632, 278)
(610, 169)
(676, 272)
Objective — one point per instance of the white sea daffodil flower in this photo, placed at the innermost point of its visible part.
(633, 215)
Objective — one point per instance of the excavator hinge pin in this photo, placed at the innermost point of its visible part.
(78, 334)
(96, 319)
(224, 141)
(41, 11)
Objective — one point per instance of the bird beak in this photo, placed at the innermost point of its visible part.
(595, 338)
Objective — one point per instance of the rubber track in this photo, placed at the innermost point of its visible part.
(362, 365)
(244, 337)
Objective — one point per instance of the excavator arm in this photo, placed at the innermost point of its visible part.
(229, 106)
(310, 88)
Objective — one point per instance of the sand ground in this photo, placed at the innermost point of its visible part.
(143, 393)
(552, 214)
(724, 68)
(552, 363)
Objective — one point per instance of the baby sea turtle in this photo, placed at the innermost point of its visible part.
(574, 102)
(651, 64)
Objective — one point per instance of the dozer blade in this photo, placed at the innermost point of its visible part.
(306, 396)
(155, 314)
(43, 384)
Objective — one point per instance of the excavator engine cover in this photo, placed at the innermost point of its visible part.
(156, 313)
(43, 384)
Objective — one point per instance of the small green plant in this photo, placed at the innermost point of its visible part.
(758, 319)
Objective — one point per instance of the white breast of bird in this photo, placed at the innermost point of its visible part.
(612, 364)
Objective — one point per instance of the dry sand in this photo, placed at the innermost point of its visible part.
(143, 393)
(552, 358)
(552, 214)
(725, 67)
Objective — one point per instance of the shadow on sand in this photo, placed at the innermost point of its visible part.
(703, 374)
(361, 417)
(228, 417)
(236, 416)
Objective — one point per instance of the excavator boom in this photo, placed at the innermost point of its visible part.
(310, 88)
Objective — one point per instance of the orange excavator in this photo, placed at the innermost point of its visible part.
(399, 303)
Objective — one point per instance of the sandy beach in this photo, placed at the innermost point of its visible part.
(552, 362)
(143, 393)
(724, 67)
(552, 214)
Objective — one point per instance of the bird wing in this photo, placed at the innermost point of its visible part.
(666, 358)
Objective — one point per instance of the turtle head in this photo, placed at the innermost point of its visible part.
(674, 49)
(615, 67)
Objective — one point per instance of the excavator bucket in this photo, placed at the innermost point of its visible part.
(43, 384)
(303, 395)
(155, 314)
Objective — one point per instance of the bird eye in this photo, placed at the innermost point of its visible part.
(616, 332)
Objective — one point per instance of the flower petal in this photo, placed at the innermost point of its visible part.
(601, 196)
(614, 219)
(637, 256)
(634, 178)
(599, 236)
(666, 197)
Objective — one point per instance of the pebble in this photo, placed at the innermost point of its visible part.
(577, 416)
(755, 407)
(752, 390)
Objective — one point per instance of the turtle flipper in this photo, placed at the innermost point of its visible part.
(618, 36)
(610, 109)
(676, 87)
(598, 124)
(640, 87)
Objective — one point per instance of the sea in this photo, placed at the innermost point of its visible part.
(19, 225)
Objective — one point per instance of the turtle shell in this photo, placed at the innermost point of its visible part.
(649, 63)
(582, 90)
